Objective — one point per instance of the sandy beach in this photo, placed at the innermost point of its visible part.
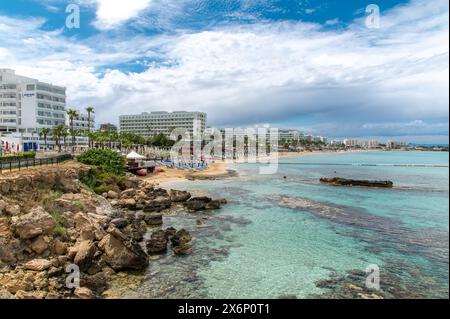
(220, 168)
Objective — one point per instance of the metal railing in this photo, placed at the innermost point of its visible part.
(24, 163)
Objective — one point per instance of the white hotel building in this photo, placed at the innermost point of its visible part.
(27, 105)
(151, 124)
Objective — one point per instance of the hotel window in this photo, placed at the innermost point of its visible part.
(30, 87)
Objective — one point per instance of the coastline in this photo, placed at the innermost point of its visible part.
(221, 168)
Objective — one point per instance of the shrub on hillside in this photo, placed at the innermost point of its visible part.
(18, 156)
(108, 160)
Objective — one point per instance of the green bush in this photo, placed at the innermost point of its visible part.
(60, 228)
(18, 156)
(103, 189)
(89, 178)
(109, 161)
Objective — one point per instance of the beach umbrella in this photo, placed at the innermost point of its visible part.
(135, 156)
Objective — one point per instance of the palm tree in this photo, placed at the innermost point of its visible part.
(57, 134)
(44, 132)
(64, 136)
(89, 111)
(71, 113)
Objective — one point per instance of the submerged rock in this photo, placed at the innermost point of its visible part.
(354, 182)
(181, 242)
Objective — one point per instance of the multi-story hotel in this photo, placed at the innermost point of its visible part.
(151, 124)
(361, 143)
(27, 105)
(289, 136)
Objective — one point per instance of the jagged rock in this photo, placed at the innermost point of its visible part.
(179, 196)
(170, 232)
(197, 203)
(153, 219)
(59, 247)
(181, 242)
(40, 244)
(84, 293)
(33, 224)
(120, 222)
(336, 181)
(129, 203)
(181, 237)
(121, 254)
(159, 192)
(157, 243)
(38, 264)
(112, 195)
(97, 282)
(129, 193)
(184, 249)
(157, 205)
(85, 253)
(5, 294)
(88, 227)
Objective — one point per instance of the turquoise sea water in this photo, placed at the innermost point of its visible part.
(279, 236)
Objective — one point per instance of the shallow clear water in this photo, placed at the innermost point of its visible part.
(279, 236)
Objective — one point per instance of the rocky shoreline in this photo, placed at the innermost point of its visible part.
(50, 221)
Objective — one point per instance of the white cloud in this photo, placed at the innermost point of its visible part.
(263, 72)
(112, 13)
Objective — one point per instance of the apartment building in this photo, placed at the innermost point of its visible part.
(151, 124)
(82, 123)
(361, 143)
(289, 136)
(108, 127)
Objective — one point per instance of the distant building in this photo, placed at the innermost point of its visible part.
(108, 127)
(82, 123)
(289, 136)
(395, 144)
(151, 124)
(361, 143)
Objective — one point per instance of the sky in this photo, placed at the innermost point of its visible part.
(313, 65)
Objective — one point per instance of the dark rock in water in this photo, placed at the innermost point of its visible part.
(214, 204)
(157, 205)
(157, 243)
(181, 237)
(170, 232)
(182, 249)
(97, 283)
(154, 219)
(120, 222)
(179, 196)
(337, 181)
(202, 203)
(181, 243)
